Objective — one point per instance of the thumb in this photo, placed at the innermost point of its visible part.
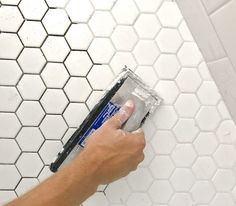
(122, 115)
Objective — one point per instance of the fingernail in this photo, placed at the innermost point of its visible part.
(126, 110)
(129, 103)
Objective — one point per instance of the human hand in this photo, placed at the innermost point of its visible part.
(111, 153)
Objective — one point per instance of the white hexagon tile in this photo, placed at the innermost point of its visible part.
(57, 57)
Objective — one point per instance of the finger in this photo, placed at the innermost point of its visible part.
(122, 116)
(139, 133)
(141, 158)
(139, 136)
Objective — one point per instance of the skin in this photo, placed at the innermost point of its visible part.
(109, 154)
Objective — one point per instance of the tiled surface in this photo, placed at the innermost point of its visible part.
(56, 57)
(211, 22)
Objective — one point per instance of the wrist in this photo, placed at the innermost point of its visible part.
(86, 164)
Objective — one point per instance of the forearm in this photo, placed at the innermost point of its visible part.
(70, 186)
(110, 154)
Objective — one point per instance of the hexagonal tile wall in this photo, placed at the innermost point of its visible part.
(165, 118)
(9, 151)
(94, 98)
(26, 63)
(122, 58)
(10, 72)
(204, 168)
(56, 3)
(144, 26)
(163, 142)
(149, 5)
(182, 179)
(32, 10)
(100, 76)
(125, 11)
(10, 2)
(183, 155)
(57, 26)
(185, 130)
(9, 176)
(7, 196)
(30, 139)
(148, 74)
(30, 113)
(25, 185)
(184, 31)
(49, 150)
(188, 80)
(10, 18)
(164, 190)
(186, 53)
(10, 125)
(29, 164)
(102, 23)
(54, 101)
(79, 36)
(78, 63)
(118, 191)
(53, 127)
(124, 38)
(98, 197)
(202, 192)
(75, 113)
(205, 143)
(167, 90)
(167, 20)
(31, 87)
(181, 199)
(79, 11)
(169, 40)
(55, 48)
(141, 199)
(226, 131)
(161, 167)
(44, 174)
(146, 52)
(10, 99)
(32, 33)
(140, 180)
(56, 59)
(167, 66)
(208, 93)
(101, 56)
(55, 75)
(11, 46)
(72, 91)
(187, 105)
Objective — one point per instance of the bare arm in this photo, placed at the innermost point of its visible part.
(110, 154)
(70, 186)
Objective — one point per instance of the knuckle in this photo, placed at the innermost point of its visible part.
(142, 157)
(107, 124)
(122, 132)
(141, 143)
(134, 167)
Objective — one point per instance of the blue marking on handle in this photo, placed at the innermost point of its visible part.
(109, 110)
